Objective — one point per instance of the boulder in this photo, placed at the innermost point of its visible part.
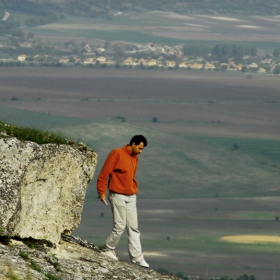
(42, 188)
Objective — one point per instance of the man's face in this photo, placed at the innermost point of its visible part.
(137, 149)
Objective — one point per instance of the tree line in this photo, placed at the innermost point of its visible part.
(9, 27)
(269, 7)
(219, 50)
(30, 7)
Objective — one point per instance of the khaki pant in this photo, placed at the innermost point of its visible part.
(125, 216)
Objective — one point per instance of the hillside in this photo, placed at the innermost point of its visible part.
(103, 8)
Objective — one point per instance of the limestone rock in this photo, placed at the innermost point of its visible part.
(42, 188)
(67, 262)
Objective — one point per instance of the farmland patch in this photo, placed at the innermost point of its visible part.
(252, 239)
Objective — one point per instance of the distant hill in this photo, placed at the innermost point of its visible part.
(106, 7)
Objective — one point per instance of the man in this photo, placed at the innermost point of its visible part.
(120, 167)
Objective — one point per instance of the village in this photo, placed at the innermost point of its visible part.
(128, 55)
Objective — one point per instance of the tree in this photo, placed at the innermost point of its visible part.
(179, 274)
(30, 35)
(246, 277)
(164, 271)
(276, 53)
(276, 70)
(119, 49)
(225, 277)
(107, 44)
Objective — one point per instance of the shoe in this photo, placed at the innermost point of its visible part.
(140, 261)
(109, 253)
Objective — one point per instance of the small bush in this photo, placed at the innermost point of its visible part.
(53, 260)
(29, 244)
(164, 271)
(35, 266)
(121, 118)
(23, 255)
(50, 277)
(48, 243)
(235, 147)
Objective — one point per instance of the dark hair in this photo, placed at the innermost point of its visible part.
(137, 139)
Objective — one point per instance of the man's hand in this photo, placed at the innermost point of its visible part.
(102, 197)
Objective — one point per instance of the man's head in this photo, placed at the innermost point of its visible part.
(137, 144)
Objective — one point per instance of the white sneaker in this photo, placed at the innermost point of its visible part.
(110, 253)
(140, 261)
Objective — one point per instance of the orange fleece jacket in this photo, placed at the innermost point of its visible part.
(120, 167)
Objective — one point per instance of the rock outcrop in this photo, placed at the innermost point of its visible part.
(42, 188)
(67, 261)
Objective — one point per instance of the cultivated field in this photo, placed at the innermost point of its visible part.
(252, 239)
(210, 170)
(159, 27)
(185, 102)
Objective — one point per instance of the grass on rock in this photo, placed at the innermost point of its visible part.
(35, 135)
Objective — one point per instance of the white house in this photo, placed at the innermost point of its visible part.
(101, 59)
(22, 57)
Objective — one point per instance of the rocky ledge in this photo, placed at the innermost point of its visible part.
(38, 260)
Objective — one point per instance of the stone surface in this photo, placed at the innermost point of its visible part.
(42, 188)
(67, 262)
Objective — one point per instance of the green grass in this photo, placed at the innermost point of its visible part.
(50, 277)
(263, 149)
(23, 255)
(32, 134)
(35, 266)
(259, 215)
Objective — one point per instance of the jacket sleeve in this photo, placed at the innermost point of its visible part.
(106, 172)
